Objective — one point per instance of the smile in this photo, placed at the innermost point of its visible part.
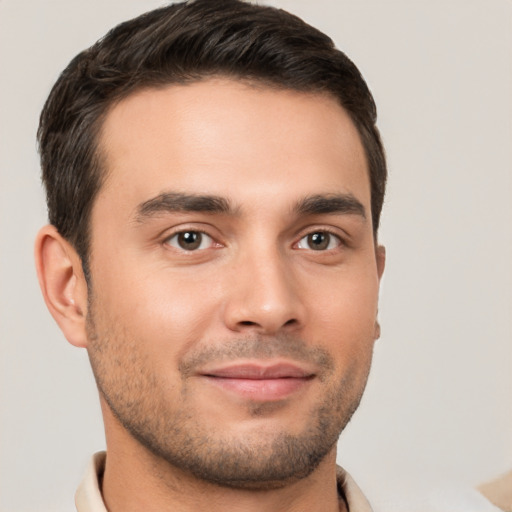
(260, 383)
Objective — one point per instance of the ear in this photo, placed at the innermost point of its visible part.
(380, 256)
(62, 281)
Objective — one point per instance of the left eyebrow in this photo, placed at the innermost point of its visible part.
(331, 203)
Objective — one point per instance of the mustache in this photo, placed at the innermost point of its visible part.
(259, 347)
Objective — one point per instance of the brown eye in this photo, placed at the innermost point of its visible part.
(319, 241)
(190, 240)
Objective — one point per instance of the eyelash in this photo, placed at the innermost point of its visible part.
(202, 234)
(340, 240)
(324, 231)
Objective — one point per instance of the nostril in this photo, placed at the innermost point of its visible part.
(248, 323)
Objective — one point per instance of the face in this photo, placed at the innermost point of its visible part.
(232, 308)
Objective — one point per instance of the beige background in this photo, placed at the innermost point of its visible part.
(438, 407)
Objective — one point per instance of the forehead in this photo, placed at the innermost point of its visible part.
(229, 138)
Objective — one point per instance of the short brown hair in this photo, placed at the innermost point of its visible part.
(177, 44)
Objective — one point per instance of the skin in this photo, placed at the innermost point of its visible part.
(160, 320)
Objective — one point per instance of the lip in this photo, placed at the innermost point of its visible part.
(259, 382)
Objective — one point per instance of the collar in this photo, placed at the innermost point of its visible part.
(88, 496)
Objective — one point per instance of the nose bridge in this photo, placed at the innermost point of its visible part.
(263, 294)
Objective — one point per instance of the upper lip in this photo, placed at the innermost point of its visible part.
(257, 371)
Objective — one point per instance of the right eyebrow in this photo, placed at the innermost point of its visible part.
(169, 202)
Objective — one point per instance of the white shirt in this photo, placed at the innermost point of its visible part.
(88, 496)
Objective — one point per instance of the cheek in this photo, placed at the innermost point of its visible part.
(342, 318)
(344, 303)
(163, 312)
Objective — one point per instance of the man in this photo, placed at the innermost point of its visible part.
(214, 180)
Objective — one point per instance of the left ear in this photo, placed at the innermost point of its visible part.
(380, 256)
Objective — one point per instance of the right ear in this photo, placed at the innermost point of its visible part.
(62, 281)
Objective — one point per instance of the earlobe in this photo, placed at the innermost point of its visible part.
(62, 282)
(376, 334)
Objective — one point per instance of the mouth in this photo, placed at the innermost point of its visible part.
(260, 382)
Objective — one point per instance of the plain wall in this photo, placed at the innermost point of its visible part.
(438, 405)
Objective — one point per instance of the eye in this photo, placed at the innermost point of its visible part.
(319, 241)
(190, 240)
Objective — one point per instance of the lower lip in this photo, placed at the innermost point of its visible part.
(261, 390)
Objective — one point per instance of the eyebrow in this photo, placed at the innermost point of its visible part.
(331, 203)
(318, 204)
(169, 202)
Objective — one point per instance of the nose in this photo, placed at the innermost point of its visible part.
(263, 296)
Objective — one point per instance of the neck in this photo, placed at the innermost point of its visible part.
(136, 480)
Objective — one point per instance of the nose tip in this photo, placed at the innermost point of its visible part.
(264, 299)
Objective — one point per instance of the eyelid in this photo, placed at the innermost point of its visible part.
(177, 230)
(337, 233)
(332, 237)
(204, 236)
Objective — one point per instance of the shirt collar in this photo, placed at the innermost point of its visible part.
(88, 496)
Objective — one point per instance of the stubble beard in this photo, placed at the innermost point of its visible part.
(177, 434)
